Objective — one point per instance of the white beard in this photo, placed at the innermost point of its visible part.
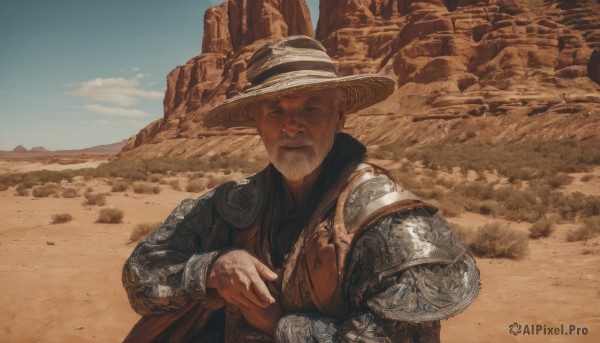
(296, 165)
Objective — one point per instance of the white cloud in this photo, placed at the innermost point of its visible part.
(135, 69)
(120, 91)
(115, 111)
(142, 75)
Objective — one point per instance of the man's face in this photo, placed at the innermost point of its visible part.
(298, 131)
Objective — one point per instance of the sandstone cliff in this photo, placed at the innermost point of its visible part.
(489, 70)
(232, 32)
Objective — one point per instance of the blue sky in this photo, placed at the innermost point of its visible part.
(79, 73)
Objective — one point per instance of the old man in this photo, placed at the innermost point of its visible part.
(317, 247)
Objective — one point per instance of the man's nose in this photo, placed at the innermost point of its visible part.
(291, 125)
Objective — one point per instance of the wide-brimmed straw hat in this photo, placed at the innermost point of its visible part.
(294, 66)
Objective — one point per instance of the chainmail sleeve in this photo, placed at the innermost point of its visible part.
(405, 273)
(166, 270)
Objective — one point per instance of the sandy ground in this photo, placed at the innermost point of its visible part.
(62, 282)
(23, 166)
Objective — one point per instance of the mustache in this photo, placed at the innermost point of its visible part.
(297, 141)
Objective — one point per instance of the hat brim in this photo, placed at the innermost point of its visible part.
(361, 91)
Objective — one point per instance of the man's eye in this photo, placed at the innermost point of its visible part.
(312, 109)
(276, 113)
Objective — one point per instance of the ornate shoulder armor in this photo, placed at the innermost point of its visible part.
(405, 263)
(373, 195)
(240, 202)
(411, 267)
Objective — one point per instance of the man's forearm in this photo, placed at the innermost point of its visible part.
(157, 291)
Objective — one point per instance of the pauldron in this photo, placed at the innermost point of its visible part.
(406, 264)
(241, 202)
(375, 195)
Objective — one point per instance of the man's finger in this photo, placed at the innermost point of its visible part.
(262, 293)
(254, 294)
(264, 271)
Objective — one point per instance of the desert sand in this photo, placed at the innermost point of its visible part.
(62, 282)
(24, 166)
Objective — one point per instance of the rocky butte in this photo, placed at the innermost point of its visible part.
(478, 70)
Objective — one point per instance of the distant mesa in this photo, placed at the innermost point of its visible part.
(104, 149)
(38, 149)
(20, 148)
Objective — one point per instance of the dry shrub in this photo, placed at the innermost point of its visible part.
(110, 216)
(196, 186)
(489, 208)
(466, 234)
(197, 175)
(456, 204)
(587, 177)
(544, 165)
(544, 227)
(434, 192)
(61, 218)
(141, 230)
(92, 199)
(407, 180)
(175, 185)
(119, 186)
(577, 203)
(155, 178)
(518, 204)
(54, 176)
(70, 193)
(590, 228)
(499, 240)
(445, 182)
(26, 184)
(558, 180)
(144, 188)
(450, 209)
(45, 191)
(517, 161)
(23, 192)
(213, 182)
(9, 180)
(478, 190)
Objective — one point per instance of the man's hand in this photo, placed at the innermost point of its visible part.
(240, 279)
(263, 319)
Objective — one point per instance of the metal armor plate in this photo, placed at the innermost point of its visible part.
(240, 203)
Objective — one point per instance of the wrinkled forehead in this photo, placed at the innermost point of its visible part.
(322, 97)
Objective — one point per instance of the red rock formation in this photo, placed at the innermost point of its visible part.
(505, 69)
(232, 32)
(509, 55)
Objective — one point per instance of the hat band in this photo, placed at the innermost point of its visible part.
(293, 66)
